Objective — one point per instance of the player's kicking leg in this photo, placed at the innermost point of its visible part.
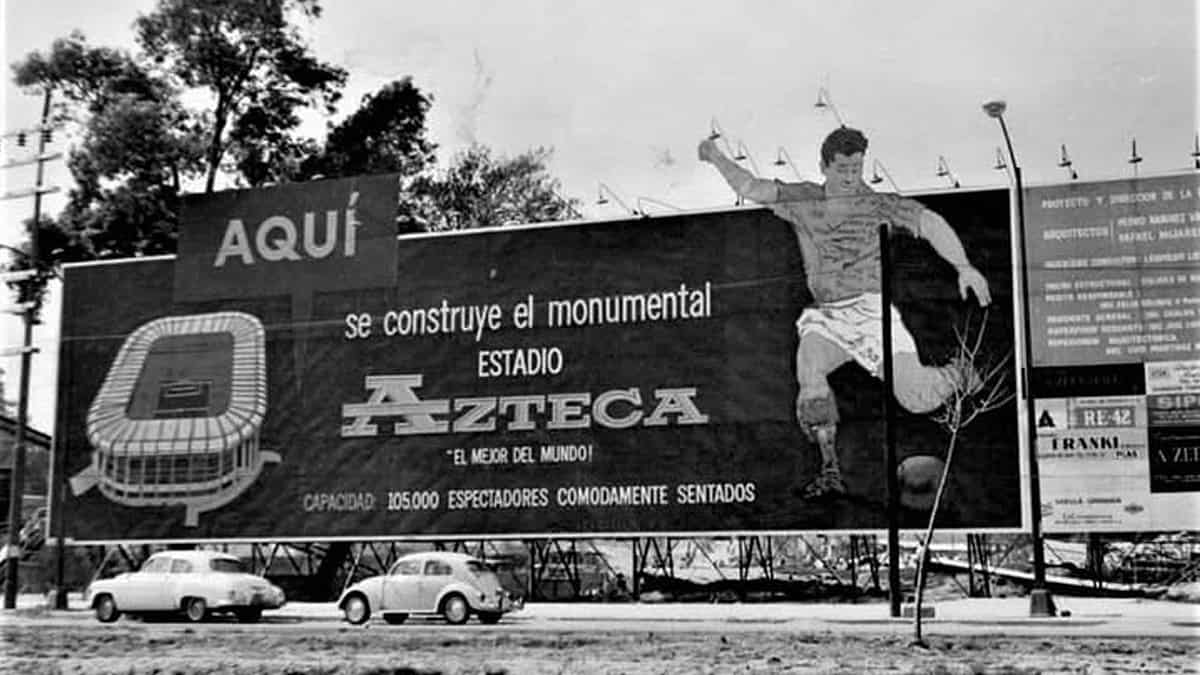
(922, 389)
(816, 411)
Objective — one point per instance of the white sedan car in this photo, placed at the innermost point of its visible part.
(196, 583)
(454, 585)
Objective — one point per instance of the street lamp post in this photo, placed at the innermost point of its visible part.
(1040, 601)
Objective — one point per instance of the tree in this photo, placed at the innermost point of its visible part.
(140, 145)
(250, 57)
(479, 190)
(91, 76)
(983, 386)
(386, 134)
(137, 146)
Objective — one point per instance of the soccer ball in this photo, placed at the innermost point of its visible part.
(919, 476)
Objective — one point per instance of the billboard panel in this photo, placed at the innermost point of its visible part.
(597, 378)
(1115, 292)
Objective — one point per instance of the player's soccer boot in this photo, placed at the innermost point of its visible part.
(827, 484)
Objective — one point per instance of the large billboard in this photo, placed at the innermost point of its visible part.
(595, 378)
(1115, 296)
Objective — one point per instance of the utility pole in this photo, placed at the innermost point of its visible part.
(28, 286)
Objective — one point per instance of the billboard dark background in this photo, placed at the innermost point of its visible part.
(741, 359)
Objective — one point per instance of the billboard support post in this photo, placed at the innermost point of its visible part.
(889, 426)
(1040, 601)
(57, 520)
(636, 581)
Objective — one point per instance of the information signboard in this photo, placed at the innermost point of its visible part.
(1115, 305)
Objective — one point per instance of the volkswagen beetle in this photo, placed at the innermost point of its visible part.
(452, 585)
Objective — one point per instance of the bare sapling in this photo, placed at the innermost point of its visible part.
(981, 384)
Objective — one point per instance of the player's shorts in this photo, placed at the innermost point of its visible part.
(856, 325)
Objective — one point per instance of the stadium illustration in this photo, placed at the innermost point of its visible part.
(177, 419)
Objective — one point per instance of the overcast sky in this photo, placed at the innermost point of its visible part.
(623, 90)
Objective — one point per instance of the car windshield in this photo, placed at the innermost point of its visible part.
(226, 565)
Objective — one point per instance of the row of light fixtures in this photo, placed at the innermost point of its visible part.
(878, 170)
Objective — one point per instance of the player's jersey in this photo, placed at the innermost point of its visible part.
(839, 237)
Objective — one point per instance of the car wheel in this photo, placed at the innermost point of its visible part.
(248, 615)
(195, 609)
(356, 610)
(455, 609)
(395, 619)
(489, 617)
(106, 609)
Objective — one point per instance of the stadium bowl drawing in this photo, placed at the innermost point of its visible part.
(177, 419)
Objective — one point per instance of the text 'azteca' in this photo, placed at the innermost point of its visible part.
(395, 397)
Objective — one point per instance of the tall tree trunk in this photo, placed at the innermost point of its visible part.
(922, 567)
(215, 149)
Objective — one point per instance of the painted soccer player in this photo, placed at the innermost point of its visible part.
(836, 225)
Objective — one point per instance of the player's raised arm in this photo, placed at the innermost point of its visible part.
(744, 183)
(943, 239)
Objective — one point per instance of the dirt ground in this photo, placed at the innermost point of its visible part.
(135, 648)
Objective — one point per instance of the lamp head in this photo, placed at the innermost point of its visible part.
(1134, 157)
(877, 171)
(1066, 163)
(995, 108)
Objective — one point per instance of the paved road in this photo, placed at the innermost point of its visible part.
(1089, 617)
